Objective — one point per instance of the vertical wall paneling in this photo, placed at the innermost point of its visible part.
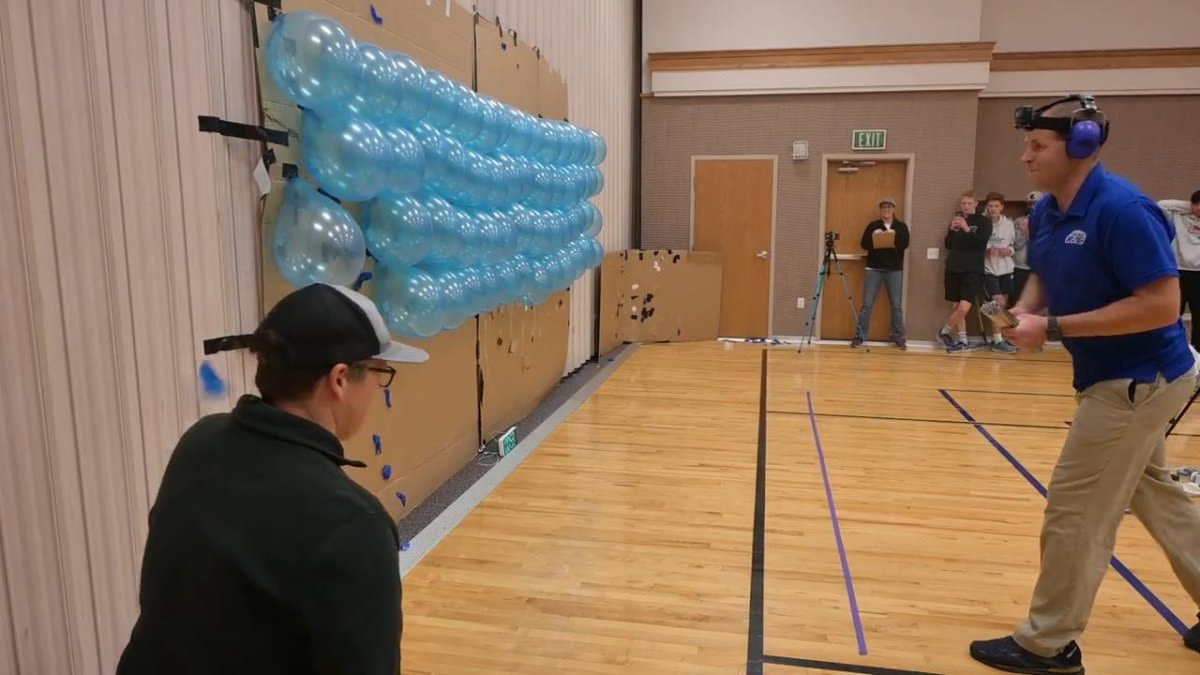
(130, 239)
(591, 44)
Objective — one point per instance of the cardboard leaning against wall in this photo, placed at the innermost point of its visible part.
(659, 296)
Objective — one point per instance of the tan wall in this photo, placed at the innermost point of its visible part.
(1154, 142)
(938, 127)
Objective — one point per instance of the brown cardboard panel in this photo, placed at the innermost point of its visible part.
(426, 414)
(613, 298)
(418, 485)
(656, 296)
(506, 70)
(552, 92)
(522, 355)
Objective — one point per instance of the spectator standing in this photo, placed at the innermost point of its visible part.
(885, 240)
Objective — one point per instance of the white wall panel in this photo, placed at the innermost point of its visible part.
(696, 25)
(1040, 26)
(591, 43)
(122, 229)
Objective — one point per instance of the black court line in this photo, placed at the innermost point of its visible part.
(755, 658)
(1010, 393)
(892, 351)
(887, 418)
(840, 667)
(754, 641)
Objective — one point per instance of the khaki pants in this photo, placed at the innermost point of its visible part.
(1115, 455)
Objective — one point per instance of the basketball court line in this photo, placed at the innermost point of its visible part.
(888, 418)
(1137, 584)
(1010, 393)
(837, 531)
(839, 667)
(755, 656)
(755, 638)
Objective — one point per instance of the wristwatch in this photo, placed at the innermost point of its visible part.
(1053, 332)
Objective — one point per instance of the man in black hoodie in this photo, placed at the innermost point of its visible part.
(885, 241)
(966, 243)
(264, 557)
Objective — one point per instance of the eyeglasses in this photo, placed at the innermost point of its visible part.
(386, 374)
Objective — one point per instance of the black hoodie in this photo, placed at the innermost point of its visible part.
(263, 557)
(885, 258)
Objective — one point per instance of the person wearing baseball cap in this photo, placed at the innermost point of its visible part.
(263, 556)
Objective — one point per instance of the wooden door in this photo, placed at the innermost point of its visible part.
(733, 211)
(853, 190)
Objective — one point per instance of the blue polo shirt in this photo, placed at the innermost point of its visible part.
(1112, 240)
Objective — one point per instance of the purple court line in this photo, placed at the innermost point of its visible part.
(1126, 573)
(837, 532)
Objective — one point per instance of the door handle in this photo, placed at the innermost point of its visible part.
(762, 254)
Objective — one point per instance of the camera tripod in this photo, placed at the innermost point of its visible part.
(830, 261)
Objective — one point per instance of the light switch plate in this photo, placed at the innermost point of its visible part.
(932, 253)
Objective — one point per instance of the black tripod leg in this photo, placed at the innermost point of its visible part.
(849, 296)
(816, 303)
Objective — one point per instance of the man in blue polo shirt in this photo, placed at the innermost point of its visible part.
(1103, 270)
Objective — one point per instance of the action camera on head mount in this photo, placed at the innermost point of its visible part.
(1085, 130)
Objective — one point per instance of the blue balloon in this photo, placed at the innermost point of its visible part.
(406, 165)
(494, 130)
(508, 282)
(455, 303)
(410, 301)
(376, 98)
(597, 253)
(315, 239)
(468, 122)
(450, 231)
(443, 100)
(346, 155)
(398, 228)
(599, 148)
(595, 221)
(411, 88)
(313, 60)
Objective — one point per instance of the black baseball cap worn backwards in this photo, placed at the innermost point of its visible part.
(322, 325)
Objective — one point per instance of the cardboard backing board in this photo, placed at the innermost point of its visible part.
(659, 296)
(522, 351)
(431, 428)
(522, 355)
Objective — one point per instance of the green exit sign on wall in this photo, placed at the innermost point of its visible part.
(868, 139)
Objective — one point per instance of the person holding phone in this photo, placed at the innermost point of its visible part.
(966, 244)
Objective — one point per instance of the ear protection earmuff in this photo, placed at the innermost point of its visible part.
(1085, 130)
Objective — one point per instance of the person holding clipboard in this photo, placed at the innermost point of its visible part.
(885, 240)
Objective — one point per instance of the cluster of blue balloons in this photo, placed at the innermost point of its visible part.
(466, 204)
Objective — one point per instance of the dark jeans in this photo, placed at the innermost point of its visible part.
(894, 280)
(1189, 291)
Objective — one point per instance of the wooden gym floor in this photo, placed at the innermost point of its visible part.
(891, 511)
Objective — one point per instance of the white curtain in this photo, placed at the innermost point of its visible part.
(128, 237)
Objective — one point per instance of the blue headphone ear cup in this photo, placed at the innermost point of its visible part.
(1084, 140)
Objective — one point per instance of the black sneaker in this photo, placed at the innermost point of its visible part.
(1005, 654)
(1192, 639)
